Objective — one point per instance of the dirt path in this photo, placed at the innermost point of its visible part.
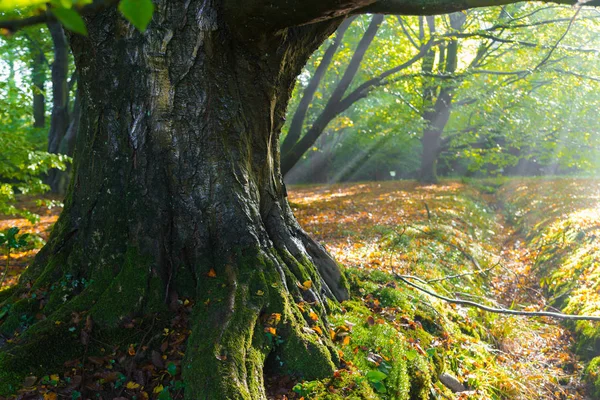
(537, 350)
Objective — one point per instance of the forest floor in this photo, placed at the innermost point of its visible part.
(457, 239)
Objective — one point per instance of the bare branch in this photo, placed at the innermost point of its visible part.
(500, 310)
(436, 7)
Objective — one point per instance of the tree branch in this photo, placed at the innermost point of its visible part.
(500, 310)
(435, 7)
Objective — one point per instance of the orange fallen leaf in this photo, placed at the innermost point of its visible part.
(271, 330)
(211, 273)
(313, 316)
(318, 330)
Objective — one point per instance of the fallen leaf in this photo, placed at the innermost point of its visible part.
(132, 385)
(158, 389)
(211, 273)
(271, 330)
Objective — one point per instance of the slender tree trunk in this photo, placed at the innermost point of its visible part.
(176, 176)
(38, 78)
(59, 121)
(334, 106)
(297, 123)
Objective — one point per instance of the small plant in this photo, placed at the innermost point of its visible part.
(11, 240)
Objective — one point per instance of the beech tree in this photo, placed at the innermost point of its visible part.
(177, 192)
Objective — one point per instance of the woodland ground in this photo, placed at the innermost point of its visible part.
(488, 241)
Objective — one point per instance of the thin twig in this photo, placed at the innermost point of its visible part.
(463, 274)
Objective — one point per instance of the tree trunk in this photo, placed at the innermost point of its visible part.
(436, 115)
(430, 143)
(59, 121)
(177, 179)
(297, 123)
(334, 106)
(38, 78)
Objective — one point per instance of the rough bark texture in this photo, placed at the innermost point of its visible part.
(176, 173)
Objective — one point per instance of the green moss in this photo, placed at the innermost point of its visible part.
(126, 293)
(43, 347)
(6, 294)
(592, 375)
(420, 378)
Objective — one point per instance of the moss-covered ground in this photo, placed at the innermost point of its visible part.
(518, 244)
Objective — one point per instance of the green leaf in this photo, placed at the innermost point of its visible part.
(411, 355)
(165, 395)
(376, 376)
(138, 12)
(171, 369)
(379, 387)
(70, 19)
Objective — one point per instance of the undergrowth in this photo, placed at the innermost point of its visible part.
(561, 220)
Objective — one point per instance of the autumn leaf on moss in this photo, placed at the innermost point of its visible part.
(318, 330)
(271, 330)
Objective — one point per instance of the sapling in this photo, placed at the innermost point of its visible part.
(11, 240)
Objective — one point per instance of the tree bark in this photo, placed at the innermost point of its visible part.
(38, 78)
(59, 120)
(176, 174)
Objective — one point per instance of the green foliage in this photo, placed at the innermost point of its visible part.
(512, 112)
(10, 240)
(22, 163)
(67, 12)
(70, 19)
(138, 12)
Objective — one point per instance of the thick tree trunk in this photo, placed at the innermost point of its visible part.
(176, 176)
(431, 144)
(59, 121)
